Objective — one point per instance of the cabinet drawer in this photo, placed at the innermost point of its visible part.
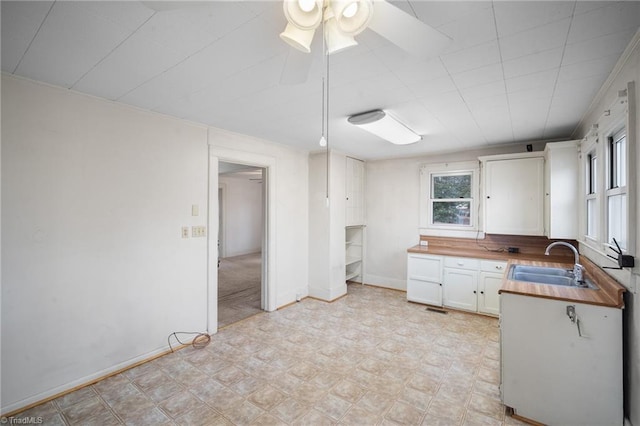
(493, 266)
(461, 263)
(424, 268)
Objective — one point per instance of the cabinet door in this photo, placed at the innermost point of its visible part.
(488, 299)
(354, 192)
(460, 289)
(424, 292)
(514, 202)
(424, 279)
(561, 190)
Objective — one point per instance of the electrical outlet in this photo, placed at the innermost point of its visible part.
(199, 231)
(185, 232)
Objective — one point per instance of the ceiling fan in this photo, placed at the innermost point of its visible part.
(342, 20)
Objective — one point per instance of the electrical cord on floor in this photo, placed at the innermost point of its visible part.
(199, 342)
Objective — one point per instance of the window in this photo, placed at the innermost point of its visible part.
(591, 197)
(616, 193)
(451, 199)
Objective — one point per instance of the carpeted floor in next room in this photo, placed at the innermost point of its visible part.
(369, 358)
(239, 288)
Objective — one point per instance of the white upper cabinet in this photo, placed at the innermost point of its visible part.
(561, 190)
(354, 178)
(513, 194)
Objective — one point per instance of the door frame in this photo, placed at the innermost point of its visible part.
(268, 164)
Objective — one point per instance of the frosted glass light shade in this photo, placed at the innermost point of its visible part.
(297, 38)
(384, 126)
(352, 24)
(298, 17)
(336, 41)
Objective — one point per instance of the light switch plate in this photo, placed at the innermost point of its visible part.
(185, 232)
(198, 231)
(195, 211)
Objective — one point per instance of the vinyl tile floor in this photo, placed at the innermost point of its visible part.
(369, 358)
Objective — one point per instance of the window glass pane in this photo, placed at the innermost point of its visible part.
(452, 212)
(617, 162)
(592, 173)
(592, 219)
(620, 154)
(617, 205)
(451, 186)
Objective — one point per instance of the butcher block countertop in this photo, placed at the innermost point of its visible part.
(610, 292)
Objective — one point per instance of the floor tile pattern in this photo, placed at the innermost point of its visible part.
(369, 358)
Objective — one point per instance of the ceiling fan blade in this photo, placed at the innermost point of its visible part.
(406, 31)
(296, 68)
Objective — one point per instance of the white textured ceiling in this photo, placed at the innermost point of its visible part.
(515, 72)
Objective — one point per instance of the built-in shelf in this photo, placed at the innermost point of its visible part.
(354, 245)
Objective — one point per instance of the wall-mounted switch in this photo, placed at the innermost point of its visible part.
(185, 232)
(198, 231)
(195, 211)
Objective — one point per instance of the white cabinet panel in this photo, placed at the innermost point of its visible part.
(460, 289)
(555, 373)
(488, 297)
(354, 192)
(424, 279)
(513, 196)
(561, 190)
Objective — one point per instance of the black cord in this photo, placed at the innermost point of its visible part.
(199, 342)
(498, 250)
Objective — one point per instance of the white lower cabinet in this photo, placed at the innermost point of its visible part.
(461, 283)
(424, 279)
(457, 282)
(557, 370)
(489, 283)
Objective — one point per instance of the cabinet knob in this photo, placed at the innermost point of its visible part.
(474, 292)
(499, 267)
(482, 292)
(488, 196)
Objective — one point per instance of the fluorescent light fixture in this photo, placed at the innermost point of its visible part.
(385, 126)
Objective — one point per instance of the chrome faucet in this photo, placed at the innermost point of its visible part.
(578, 269)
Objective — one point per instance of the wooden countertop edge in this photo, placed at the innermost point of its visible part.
(482, 254)
(610, 293)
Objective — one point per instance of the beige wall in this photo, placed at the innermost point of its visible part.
(95, 273)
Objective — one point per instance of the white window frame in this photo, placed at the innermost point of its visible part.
(612, 121)
(427, 227)
(614, 188)
(592, 191)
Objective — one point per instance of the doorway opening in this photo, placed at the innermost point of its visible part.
(241, 224)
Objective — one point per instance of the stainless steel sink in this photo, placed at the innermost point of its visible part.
(544, 275)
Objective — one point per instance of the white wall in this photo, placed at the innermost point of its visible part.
(288, 195)
(242, 212)
(95, 274)
(393, 211)
(327, 225)
(628, 71)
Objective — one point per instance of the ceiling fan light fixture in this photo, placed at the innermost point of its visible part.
(352, 16)
(335, 40)
(383, 125)
(297, 38)
(297, 14)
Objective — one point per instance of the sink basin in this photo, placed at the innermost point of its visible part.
(541, 270)
(543, 275)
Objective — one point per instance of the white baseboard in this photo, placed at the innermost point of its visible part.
(81, 382)
(387, 282)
